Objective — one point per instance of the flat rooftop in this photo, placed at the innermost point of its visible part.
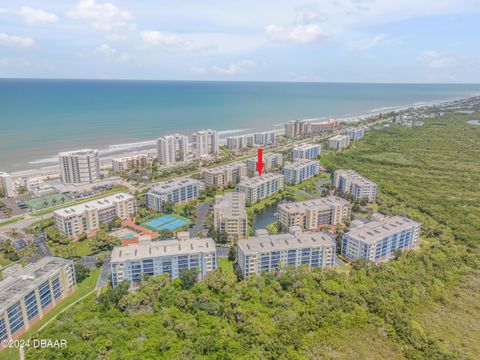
(174, 184)
(339, 137)
(354, 177)
(376, 230)
(31, 276)
(231, 204)
(222, 168)
(286, 241)
(258, 180)
(306, 146)
(298, 164)
(94, 204)
(322, 203)
(152, 249)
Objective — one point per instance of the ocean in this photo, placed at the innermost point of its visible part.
(39, 118)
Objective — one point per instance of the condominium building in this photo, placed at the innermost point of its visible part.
(261, 187)
(240, 142)
(127, 163)
(379, 239)
(265, 138)
(306, 151)
(294, 128)
(339, 142)
(313, 214)
(172, 149)
(175, 191)
(351, 182)
(6, 185)
(224, 176)
(355, 134)
(229, 215)
(79, 167)
(86, 218)
(162, 257)
(300, 170)
(271, 161)
(321, 127)
(264, 252)
(205, 142)
(31, 292)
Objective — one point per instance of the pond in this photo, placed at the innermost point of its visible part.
(265, 216)
(473, 122)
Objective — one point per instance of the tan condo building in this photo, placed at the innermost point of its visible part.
(229, 215)
(224, 176)
(127, 163)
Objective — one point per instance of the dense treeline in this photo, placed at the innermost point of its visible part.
(430, 174)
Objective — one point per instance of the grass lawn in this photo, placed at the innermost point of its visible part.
(83, 288)
(73, 249)
(4, 261)
(46, 201)
(226, 266)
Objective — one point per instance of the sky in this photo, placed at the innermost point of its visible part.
(412, 41)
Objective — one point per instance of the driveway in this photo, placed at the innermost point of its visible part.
(202, 210)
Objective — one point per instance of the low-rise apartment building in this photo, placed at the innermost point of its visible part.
(313, 214)
(230, 216)
(31, 292)
(224, 176)
(6, 184)
(355, 134)
(264, 252)
(306, 151)
(127, 163)
(351, 182)
(129, 263)
(271, 161)
(378, 240)
(86, 218)
(175, 191)
(261, 187)
(300, 170)
(339, 142)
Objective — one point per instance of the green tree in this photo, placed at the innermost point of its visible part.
(81, 273)
(189, 278)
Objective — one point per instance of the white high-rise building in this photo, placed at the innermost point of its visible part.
(6, 184)
(239, 142)
(205, 142)
(265, 138)
(172, 149)
(80, 166)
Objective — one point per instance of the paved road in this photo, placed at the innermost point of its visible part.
(222, 251)
(89, 261)
(202, 210)
(29, 220)
(104, 272)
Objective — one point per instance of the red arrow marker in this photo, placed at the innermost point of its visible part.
(260, 161)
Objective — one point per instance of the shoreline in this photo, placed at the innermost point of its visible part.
(149, 146)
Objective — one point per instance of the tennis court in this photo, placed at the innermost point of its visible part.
(166, 222)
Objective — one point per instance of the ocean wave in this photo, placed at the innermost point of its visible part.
(233, 131)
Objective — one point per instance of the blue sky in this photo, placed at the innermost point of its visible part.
(340, 40)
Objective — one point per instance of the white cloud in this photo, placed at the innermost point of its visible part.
(170, 41)
(435, 60)
(239, 67)
(102, 16)
(198, 70)
(368, 42)
(113, 54)
(16, 41)
(37, 17)
(297, 34)
(9, 62)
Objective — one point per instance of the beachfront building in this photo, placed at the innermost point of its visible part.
(313, 214)
(205, 142)
(6, 185)
(379, 239)
(264, 138)
(261, 187)
(79, 167)
(175, 191)
(29, 293)
(339, 142)
(352, 183)
(314, 128)
(86, 218)
(355, 134)
(306, 151)
(224, 176)
(264, 252)
(271, 161)
(172, 149)
(229, 215)
(128, 163)
(237, 143)
(294, 129)
(129, 263)
(300, 170)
